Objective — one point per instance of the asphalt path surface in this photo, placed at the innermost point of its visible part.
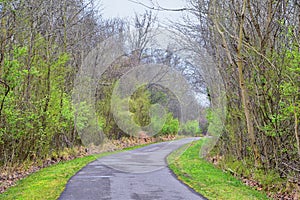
(140, 174)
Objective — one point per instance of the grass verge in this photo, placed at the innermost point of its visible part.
(49, 183)
(207, 180)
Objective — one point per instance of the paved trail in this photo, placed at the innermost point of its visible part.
(140, 174)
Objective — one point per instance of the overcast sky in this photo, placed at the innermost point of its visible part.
(125, 8)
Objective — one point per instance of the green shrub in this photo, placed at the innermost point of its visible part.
(191, 128)
(171, 125)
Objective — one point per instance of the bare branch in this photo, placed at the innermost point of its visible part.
(157, 7)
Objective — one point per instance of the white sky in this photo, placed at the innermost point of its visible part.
(125, 8)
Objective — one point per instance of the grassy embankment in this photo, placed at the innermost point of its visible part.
(203, 177)
(48, 183)
(206, 179)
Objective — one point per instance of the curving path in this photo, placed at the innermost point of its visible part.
(140, 174)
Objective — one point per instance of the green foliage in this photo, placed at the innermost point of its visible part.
(14, 74)
(36, 110)
(270, 179)
(288, 103)
(139, 105)
(191, 128)
(171, 125)
(103, 109)
(83, 113)
(215, 122)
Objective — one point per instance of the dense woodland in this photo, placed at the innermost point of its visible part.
(43, 45)
(255, 44)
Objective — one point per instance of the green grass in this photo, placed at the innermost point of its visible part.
(207, 180)
(49, 183)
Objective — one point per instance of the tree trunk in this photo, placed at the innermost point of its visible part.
(244, 92)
